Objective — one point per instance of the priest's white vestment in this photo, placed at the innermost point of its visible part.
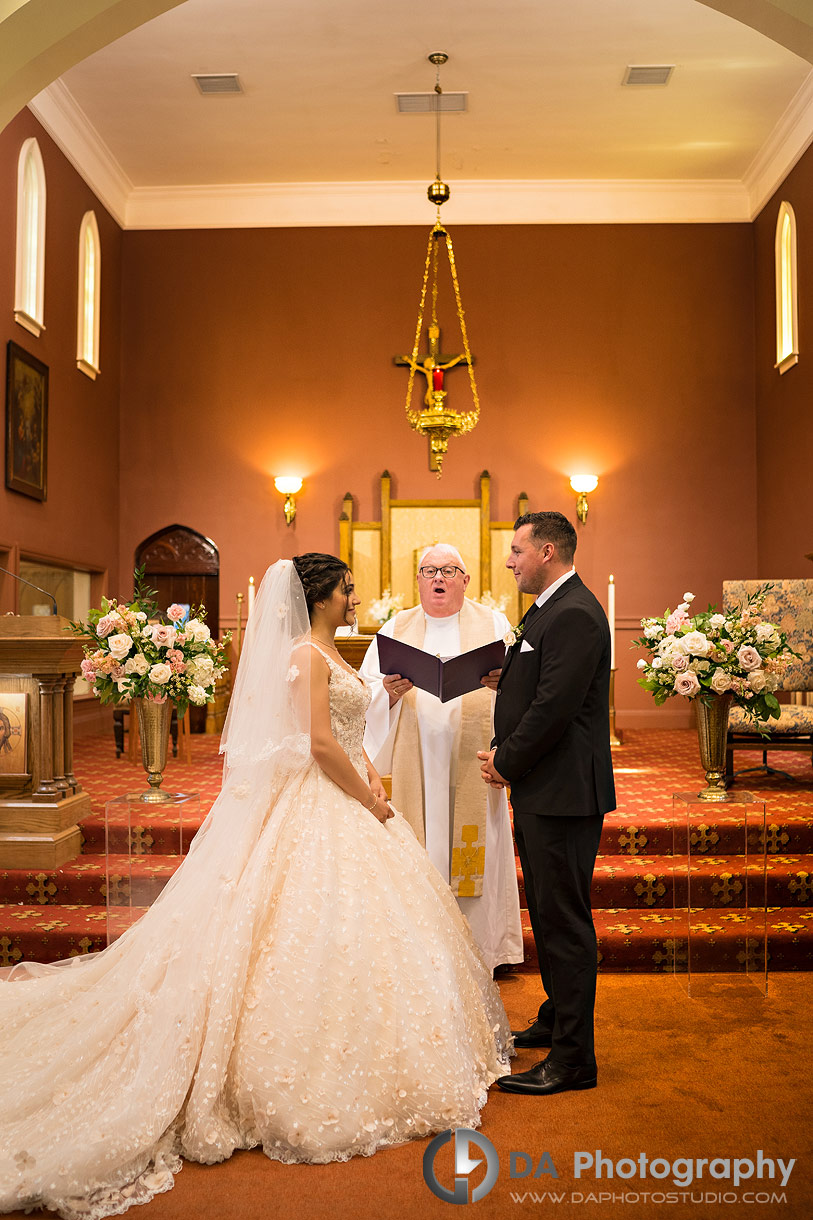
(493, 916)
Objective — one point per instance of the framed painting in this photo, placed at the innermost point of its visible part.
(26, 423)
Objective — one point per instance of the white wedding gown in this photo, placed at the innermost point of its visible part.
(305, 983)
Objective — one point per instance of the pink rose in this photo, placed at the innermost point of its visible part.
(748, 657)
(678, 618)
(176, 612)
(163, 635)
(680, 662)
(105, 626)
(687, 685)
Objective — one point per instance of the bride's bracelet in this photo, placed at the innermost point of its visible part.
(370, 808)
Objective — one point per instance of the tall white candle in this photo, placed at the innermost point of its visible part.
(251, 593)
(611, 618)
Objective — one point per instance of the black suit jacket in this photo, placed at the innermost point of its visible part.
(551, 716)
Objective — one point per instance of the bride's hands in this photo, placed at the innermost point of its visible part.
(381, 808)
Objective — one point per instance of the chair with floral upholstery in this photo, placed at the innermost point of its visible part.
(789, 605)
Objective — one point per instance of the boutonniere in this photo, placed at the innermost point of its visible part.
(513, 636)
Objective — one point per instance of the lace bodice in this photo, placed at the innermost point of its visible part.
(349, 700)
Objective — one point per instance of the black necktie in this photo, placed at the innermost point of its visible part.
(530, 612)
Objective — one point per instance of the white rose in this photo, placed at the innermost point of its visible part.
(688, 597)
(653, 631)
(696, 642)
(141, 616)
(757, 680)
(642, 663)
(657, 662)
(720, 682)
(119, 645)
(159, 674)
(137, 664)
(197, 630)
(766, 632)
(716, 621)
(197, 694)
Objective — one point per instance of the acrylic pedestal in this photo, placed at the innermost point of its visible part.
(720, 897)
(134, 878)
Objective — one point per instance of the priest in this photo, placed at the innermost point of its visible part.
(431, 750)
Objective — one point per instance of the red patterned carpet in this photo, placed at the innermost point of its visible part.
(643, 875)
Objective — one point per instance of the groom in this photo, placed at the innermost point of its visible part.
(552, 739)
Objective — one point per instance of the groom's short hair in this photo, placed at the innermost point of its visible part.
(551, 527)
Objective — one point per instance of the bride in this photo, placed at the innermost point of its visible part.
(304, 983)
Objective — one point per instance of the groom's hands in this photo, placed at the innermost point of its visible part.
(491, 776)
(491, 680)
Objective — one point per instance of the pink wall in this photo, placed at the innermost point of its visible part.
(784, 402)
(640, 352)
(78, 522)
(626, 350)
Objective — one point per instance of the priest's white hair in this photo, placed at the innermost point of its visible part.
(449, 549)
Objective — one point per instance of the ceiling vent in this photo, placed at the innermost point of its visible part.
(217, 82)
(424, 103)
(648, 74)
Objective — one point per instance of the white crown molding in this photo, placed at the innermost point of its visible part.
(303, 205)
(72, 131)
(321, 204)
(790, 138)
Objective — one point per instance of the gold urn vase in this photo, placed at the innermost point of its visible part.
(153, 726)
(712, 730)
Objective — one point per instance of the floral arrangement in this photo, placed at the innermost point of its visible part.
(493, 603)
(386, 606)
(712, 654)
(133, 655)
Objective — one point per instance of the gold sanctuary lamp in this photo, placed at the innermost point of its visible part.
(436, 420)
(438, 423)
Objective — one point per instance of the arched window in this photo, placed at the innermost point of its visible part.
(90, 278)
(787, 314)
(29, 283)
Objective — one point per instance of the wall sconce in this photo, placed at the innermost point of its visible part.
(582, 484)
(288, 486)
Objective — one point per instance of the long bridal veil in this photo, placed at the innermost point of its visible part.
(111, 1065)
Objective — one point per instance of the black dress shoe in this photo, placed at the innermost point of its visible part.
(534, 1035)
(547, 1077)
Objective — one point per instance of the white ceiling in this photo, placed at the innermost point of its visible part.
(546, 107)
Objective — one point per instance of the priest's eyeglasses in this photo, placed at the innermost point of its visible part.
(429, 573)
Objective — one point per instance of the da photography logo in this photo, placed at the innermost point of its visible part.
(464, 1163)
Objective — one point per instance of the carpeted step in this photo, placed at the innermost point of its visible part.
(647, 882)
(49, 934)
(133, 879)
(643, 942)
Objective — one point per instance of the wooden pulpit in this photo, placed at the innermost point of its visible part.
(41, 801)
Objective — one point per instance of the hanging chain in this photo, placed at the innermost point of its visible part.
(468, 418)
(413, 416)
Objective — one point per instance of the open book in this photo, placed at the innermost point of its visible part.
(444, 679)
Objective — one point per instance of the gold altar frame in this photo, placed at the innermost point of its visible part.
(383, 554)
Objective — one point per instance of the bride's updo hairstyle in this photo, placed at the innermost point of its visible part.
(320, 575)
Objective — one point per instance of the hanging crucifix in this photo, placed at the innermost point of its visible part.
(433, 365)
